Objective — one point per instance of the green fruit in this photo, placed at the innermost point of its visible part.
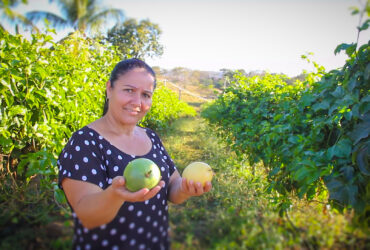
(141, 173)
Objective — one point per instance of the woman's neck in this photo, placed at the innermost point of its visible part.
(115, 128)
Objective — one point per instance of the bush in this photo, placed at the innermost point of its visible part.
(311, 136)
(166, 108)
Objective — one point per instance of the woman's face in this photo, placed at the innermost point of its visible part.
(130, 98)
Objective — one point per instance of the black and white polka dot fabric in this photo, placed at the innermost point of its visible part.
(141, 225)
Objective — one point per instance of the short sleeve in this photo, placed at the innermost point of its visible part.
(82, 160)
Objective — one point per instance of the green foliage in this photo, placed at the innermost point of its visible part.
(45, 96)
(81, 15)
(138, 40)
(306, 134)
(166, 108)
(8, 13)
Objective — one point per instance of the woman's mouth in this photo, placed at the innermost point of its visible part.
(133, 111)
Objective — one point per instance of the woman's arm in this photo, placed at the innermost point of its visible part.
(181, 189)
(95, 206)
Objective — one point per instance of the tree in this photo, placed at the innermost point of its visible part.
(135, 39)
(13, 16)
(227, 76)
(82, 15)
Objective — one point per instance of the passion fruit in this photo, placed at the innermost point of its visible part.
(198, 172)
(141, 173)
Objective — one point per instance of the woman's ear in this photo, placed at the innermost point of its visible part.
(108, 89)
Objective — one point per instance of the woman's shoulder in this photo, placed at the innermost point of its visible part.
(83, 132)
(84, 137)
(150, 132)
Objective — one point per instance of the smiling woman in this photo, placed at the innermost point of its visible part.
(106, 213)
(129, 94)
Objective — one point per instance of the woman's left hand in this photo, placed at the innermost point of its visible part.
(192, 188)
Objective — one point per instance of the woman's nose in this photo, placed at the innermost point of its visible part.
(136, 99)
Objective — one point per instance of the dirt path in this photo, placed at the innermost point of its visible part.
(190, 139)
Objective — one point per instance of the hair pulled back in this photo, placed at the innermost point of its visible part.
(122, 68)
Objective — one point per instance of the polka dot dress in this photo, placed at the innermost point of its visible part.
(140, 225)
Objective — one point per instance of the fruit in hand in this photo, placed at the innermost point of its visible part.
(198, 172)
(141, 173)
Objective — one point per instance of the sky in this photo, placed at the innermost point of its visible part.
(253, 35)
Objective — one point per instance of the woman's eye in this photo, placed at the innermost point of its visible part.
(147, 95)
(128, 90)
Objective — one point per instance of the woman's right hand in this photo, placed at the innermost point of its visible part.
(119, 189)
(95, 206)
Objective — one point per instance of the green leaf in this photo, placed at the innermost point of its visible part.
(321, 105)
(343, 192)
(17, 110)
(365, 104)
(348, 115)
(301, 173)
(41, 71)
(360, 131)
(306, 170)
(356, 110)
(349, 48)
(348, 172)
(353, 83)
(338, 93)
(367, 72)
(342, 149)
(6, 144)
(362, 160)
(334, 184)
(293, 139)
(365, 117)
(60, 196)
(333, 108)
(365, 25)
(274, 171)
(307, 99)
(6, 84)
(355, 10)
(277, 117)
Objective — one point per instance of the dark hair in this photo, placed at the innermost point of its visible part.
(123, 67)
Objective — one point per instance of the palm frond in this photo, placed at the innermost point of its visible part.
(95, 22)
(16, 18)
(55, 20)
(11, 3)
(25, 21)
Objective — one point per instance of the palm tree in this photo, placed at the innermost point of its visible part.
(82, 15)
(13, 16)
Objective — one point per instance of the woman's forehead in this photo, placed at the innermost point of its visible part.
(137, 73)
(137, 78)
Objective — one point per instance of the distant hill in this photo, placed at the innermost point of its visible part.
(195, 85)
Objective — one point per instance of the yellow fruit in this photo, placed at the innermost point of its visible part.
(198, 172)
(141, 173)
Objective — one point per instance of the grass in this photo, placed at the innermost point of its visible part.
(238, 213)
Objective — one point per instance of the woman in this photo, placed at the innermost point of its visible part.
(106, 214)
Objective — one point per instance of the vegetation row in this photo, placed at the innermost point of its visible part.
(312, 136)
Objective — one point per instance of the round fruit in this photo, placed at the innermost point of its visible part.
(198, 172)
(141, 173)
